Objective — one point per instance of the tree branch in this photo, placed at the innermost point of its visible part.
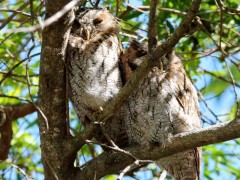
(48, 21)
(114, 105)
(225, 9)
(113, 162)
(152, 25)
(7, 114)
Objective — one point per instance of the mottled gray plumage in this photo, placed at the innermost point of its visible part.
(163, 105)
(93, 52)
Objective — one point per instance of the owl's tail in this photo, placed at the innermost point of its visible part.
(184, 165)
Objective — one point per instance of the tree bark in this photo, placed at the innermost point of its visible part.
(52, 95)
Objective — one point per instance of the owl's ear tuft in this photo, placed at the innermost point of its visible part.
(106, 8)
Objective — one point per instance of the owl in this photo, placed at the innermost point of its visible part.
(163, 105)
(93, 55)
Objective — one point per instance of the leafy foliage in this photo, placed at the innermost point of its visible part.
(210, 55)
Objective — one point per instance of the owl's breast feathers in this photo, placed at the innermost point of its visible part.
(94, 76)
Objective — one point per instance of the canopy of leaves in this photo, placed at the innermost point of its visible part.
(210, 53)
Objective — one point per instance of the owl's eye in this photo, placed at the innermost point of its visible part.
(97, 21)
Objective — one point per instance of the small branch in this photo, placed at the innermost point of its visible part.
(218, 77)
(15, 66)
(7, 115)
(15, 11)
(163, 175)
(18, 110)
(132, 166)
(13, 15)
(152, 25)
(113, 145)
(48, 21)
(112, 163)
(234, 87)
(115, 148)
(29, 85)
(144, 9)
(17, 75)
(21, 171)
(225, 9)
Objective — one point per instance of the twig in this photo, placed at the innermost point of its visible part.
(218, 77)
(117, 7)
(115, 148)
(13, 15)
(15, 11)
(15, 97)
(96, 3)
(21, 171)
(144, 9)
(48, 21)
(234, 88)
(132, 166)
(198, 20)
(225, 9)
(222, 8)
(15, 66)
(163, 175)
(29, 88)
(152, 26)
(200, 95)
(136, 8)
(17, 75)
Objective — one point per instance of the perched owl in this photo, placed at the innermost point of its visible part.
(163, 105)
(93, 56)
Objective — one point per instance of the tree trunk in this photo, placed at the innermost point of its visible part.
(52, 95)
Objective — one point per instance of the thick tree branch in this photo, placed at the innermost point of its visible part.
(114, 105)
(18, 110)
(7, 114)
(113, 162)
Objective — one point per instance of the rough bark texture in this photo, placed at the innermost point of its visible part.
(52, 95)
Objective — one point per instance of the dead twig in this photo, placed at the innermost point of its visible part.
(133, 166)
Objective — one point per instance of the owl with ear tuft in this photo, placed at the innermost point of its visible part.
(93, 54)
(163, 105)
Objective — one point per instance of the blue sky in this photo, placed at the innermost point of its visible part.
(221, 105)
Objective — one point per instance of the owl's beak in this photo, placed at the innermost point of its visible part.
(86, 32)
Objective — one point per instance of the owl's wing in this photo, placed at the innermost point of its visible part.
(188, 100)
